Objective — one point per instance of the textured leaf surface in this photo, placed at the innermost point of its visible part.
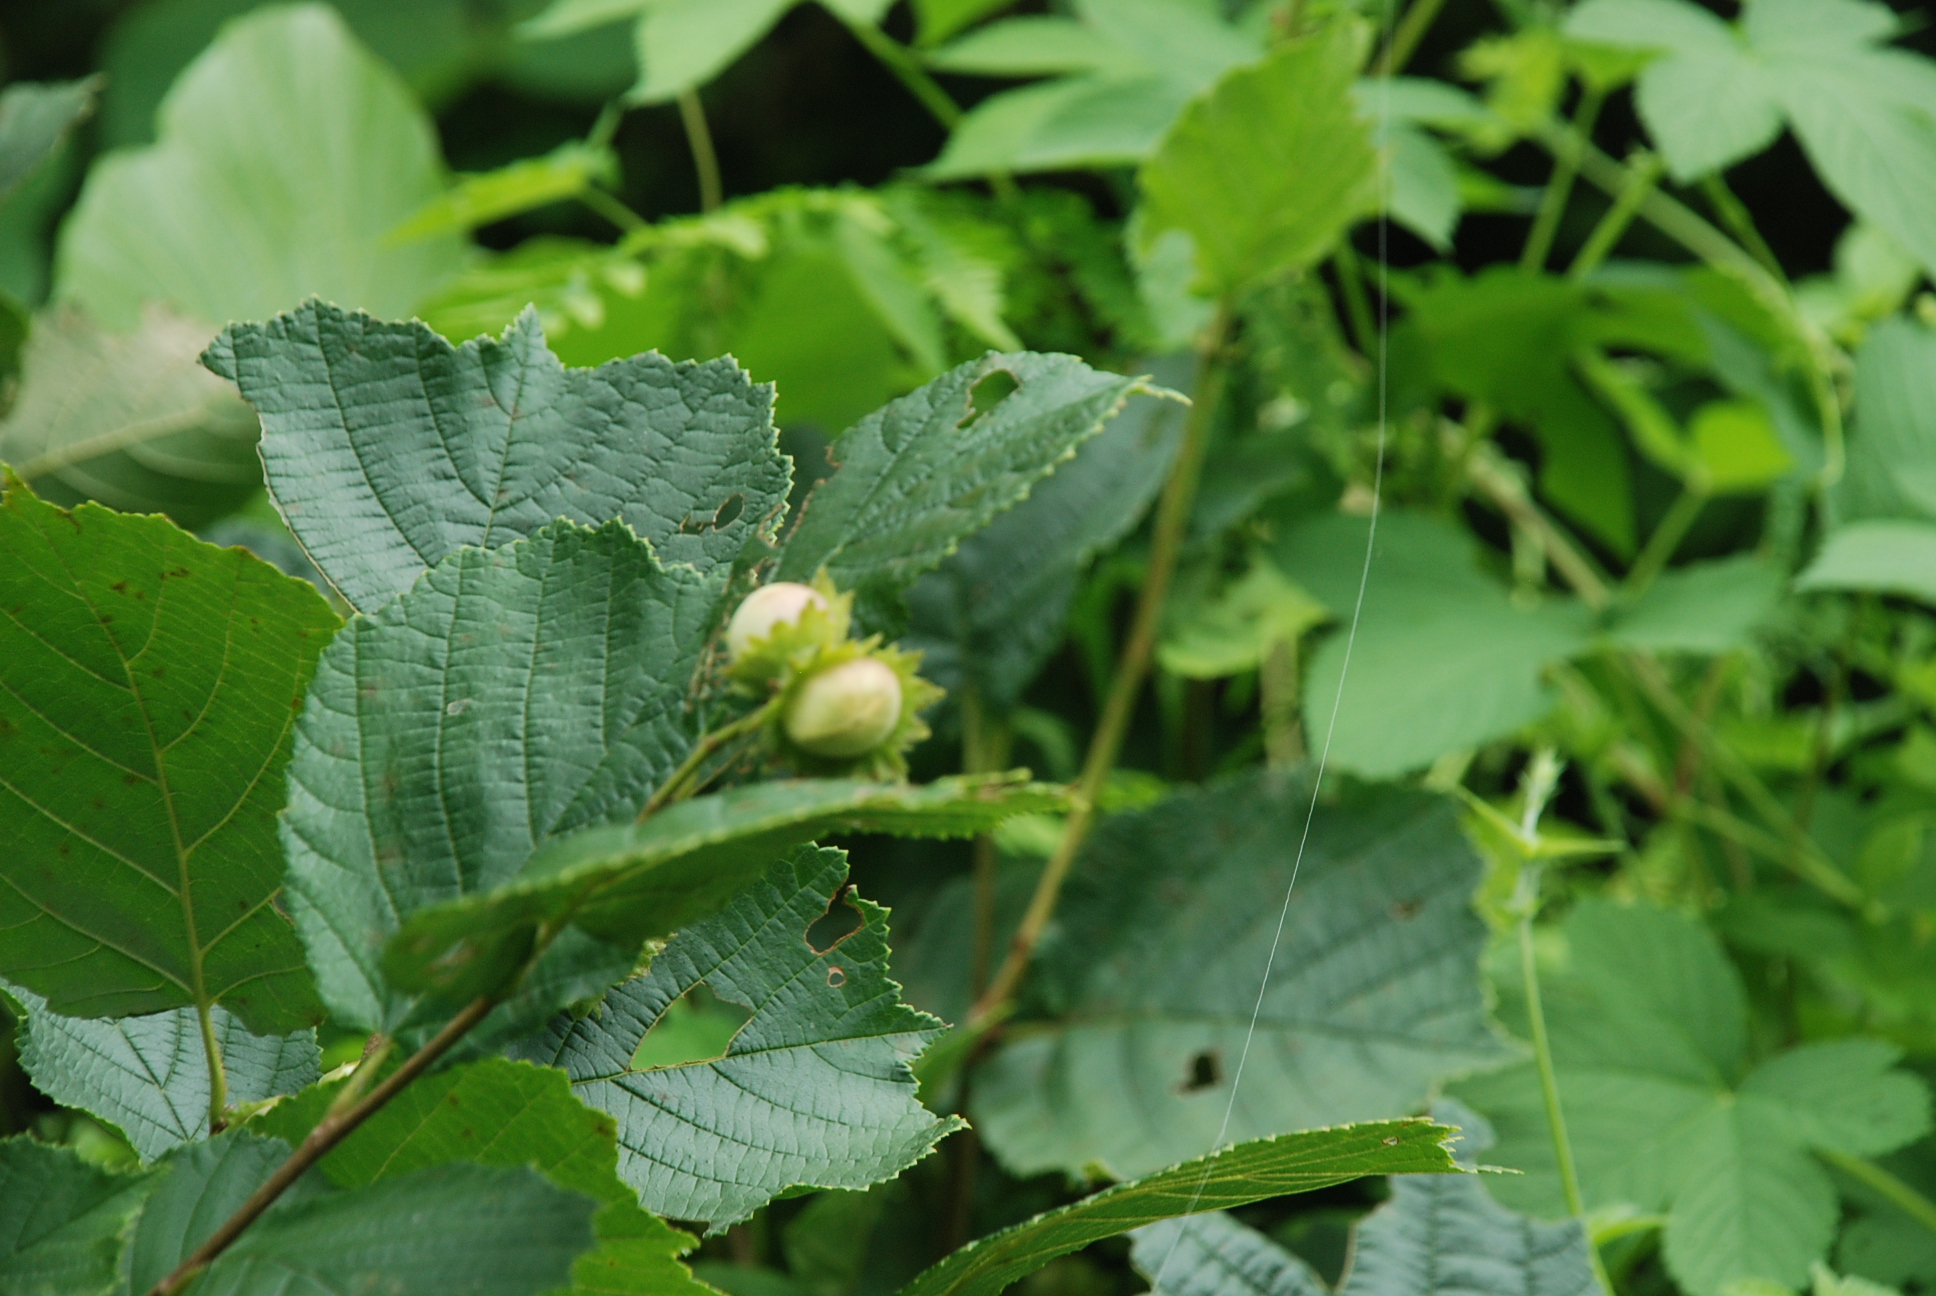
(387, 448)
(632, 882)
(1164, 934)
(927, 470)
(456, 1227)
(148, 1076)
(1235, 1176)
(286, 155)
(128, 419)
(1268, 169)
(512, 695)
(813, 1090)
(148, 684)
(993, 611)
(508, 1114)
(34, 120)
(63, 1223)
(1649, 1031)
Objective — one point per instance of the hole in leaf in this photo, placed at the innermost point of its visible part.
(698, 1026)
(728, 512)
(839, 922)
(836, 976)
(990, 390)
(1204, 1072)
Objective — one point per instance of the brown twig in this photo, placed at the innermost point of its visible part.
(330, 1131)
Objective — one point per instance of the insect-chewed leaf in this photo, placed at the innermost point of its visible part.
(1235, 1176)
(629, 883)
(148, 684)
(992, 612)
(387, 448)
(148, 1076)
(64, 1224)
(1267, 170)
(1166, 928)
(512, 695)
(924, 471)
(812, 1090)
(458, 1226)
(533, 1120)
(1648, 1021)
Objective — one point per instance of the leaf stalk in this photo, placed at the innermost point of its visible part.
(1132, 667)
(330, 1131)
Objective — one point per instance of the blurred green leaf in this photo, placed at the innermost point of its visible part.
(813, 1091)
(129, 419)
(286, 155)
(35, 120)
(1235, 630)
(1136, 63)
(1162, 937)
(1717, 94)
(1888, 557)
(937, 20)
(1270, 168)
(1234, 1176)
(1442, 659)
(1649, 1034)
(1509, 339)
(566, 172)
(151, 682)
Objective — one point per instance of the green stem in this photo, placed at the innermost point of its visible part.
(613, 210)
(985, 746)
(1681, 224)
(1357, 305)
(1404, 42)
(1735, 216)
(1667, 537)
(1132, 668)
(1549, 1085)
(1803, 857)
(678, 785)
(1559, 186)
(1277, 687)
(1498, 483)
(699, 138)
(1618, 217)
(1901, 1195)
(602, 131)
(218, 1080)
(899, 60)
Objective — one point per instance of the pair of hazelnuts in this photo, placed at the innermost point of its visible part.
(839, 711)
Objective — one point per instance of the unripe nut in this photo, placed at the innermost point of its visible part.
(780, 603)
(846, 710)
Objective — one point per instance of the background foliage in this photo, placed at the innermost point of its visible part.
(1536, 595)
